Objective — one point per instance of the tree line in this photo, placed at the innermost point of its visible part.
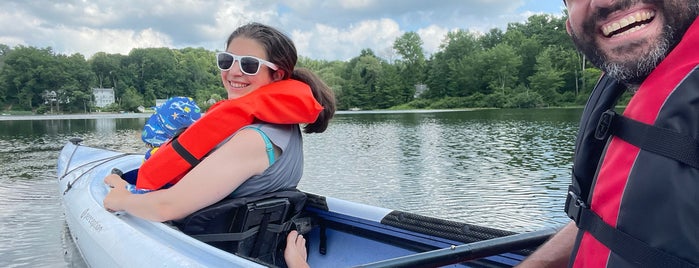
(530, 64)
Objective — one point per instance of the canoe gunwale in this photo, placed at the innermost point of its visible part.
(120, 239)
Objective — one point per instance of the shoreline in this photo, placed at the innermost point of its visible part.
(73, 116)
(6, 117)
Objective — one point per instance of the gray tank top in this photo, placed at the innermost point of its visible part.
(287, 169)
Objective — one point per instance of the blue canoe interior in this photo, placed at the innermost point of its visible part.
(349, 234)
(403, 239)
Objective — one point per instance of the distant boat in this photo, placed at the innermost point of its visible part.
(342, 233)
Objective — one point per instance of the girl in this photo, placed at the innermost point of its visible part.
(259, 158)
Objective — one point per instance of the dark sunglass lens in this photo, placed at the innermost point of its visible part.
(249, 65)
(224, 61)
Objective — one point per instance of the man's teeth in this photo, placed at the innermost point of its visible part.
(610, 29)
(631, 30)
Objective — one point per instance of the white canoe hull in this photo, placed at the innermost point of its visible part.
(120, 240)
(346, 233)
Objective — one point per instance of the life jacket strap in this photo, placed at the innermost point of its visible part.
(186, 155)
(661, 141)
(631, 249)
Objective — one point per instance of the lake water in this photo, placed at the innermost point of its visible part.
(506, 169)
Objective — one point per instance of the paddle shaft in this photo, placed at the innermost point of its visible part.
(467, 252)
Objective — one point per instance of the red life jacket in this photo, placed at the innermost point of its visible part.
(641, 208)
(283, 102)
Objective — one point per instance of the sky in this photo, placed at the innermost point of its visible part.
(321, 29)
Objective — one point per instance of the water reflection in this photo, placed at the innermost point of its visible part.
(500, 168)
(30, 209)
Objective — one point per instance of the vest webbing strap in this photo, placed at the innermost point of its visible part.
(186, 155)
(624, 245)
(661, 141)
(665, 142)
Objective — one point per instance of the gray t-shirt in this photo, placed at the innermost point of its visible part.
(287, 169)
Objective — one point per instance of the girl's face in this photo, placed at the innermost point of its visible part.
(237, 83)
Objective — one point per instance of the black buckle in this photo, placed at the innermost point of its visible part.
(574, 206)
(604, 125)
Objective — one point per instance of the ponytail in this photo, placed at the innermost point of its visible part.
(322, 93)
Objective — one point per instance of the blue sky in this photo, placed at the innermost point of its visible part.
(321, 29)
(545, 6)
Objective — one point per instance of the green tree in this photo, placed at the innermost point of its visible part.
(131, 100)
(83, 99)
(445, 75)
(548, 79)
(519, 67)
(467, 75)
(27, 73)
(546, 29)
(390, 91)
(492, 38)
(105, 67)
(361, 77)
(329, 71)
(4, 50)
(527, 48)
(77, 82)
(502, 64)
(411, 65)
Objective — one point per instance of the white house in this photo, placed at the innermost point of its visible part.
(103, 96)
(419, 89)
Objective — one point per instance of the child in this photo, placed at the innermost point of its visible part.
(173, 116)
(169, 119)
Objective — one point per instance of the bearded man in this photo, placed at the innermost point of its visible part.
(634, 199)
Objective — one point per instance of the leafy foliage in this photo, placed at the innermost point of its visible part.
(530, 64)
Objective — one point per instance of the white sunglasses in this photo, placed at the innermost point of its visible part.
(248, 64)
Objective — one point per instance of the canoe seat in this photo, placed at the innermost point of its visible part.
(253, 227)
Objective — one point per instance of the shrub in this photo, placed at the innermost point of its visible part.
(525, 100)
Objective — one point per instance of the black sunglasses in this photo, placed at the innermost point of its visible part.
(248, 64)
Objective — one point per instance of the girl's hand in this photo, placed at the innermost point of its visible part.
(114, 198)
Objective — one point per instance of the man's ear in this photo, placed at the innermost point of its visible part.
(568, 27)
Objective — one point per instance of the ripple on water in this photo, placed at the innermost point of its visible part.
(502, 173)
(31, 214)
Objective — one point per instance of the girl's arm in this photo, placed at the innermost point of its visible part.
(242, 157)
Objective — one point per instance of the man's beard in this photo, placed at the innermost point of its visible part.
(633, 72)
(635, 69)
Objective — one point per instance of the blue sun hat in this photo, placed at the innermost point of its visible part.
(169, 118)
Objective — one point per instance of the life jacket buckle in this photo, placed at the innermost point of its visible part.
(574, 206)
(604, 125)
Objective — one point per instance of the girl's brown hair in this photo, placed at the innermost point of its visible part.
(281, 51)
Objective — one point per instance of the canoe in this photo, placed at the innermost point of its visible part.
(353, 234)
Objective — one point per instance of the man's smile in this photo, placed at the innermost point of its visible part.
(628, 24)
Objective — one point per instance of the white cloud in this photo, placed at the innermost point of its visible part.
(89, 41)
(330, 42)
(432, 37)
(321, 29)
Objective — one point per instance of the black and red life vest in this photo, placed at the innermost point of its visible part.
(283, 102)
(635, 191)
